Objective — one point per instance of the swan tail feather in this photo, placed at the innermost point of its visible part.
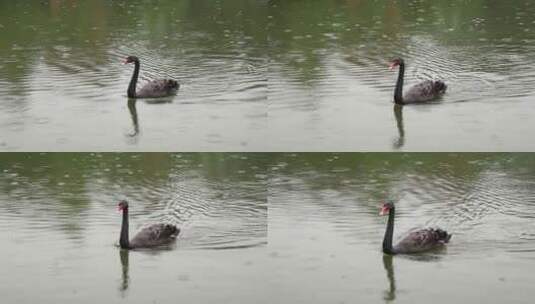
(440, 87)
(172, 84)
(442, 235)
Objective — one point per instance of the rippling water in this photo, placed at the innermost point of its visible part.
(321, 241)
(325, 233)
(59, 227)
(63, 84)
(329, 85)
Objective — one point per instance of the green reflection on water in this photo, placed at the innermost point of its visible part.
(66, 185)
(32, 31)
(303, 34)
(375, 173)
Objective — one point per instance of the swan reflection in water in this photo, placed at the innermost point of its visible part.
(398, 114)
(124, 282)
(390, 293)
(132, 108)
(134, 135)
(133, 115)
(123, 286)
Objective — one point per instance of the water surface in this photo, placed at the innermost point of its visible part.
(325, 232)
(63, 84)
(330, 88)
(59, 227)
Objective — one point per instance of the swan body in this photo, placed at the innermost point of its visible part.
(153, 89)
(422, 92)
(415, 241)
(421, 240)
(151, 236)
(158, 88)
(154, 235)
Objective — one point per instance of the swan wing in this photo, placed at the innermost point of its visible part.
(158, 88)
(422, 240)
(154, 235)
(425, 91)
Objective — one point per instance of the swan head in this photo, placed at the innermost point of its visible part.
(130, 59)
(395, 62)
(385, 209)
(122, 206)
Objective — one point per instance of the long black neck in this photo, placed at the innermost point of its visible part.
(132, 86)
(123, 241)
(398, 93)
(389, 234)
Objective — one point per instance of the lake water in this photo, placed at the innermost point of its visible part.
(325, 232)
(59, 227)
(266, 75)
(330, 88)
(63, 84)
(264, 228)
(269, 76)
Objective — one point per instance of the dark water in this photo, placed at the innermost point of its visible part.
(325, 233)
(330, 88)
(63, 84)
(59, 227)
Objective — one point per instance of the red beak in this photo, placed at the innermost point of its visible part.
(384, 210)
(125, 61)
(392, 66)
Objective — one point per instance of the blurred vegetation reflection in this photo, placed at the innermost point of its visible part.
(54, 29)
(303, 33)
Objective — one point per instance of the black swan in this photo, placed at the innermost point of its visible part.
(416, 241)
(151, 236)
(153, 89)
(423, 92)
